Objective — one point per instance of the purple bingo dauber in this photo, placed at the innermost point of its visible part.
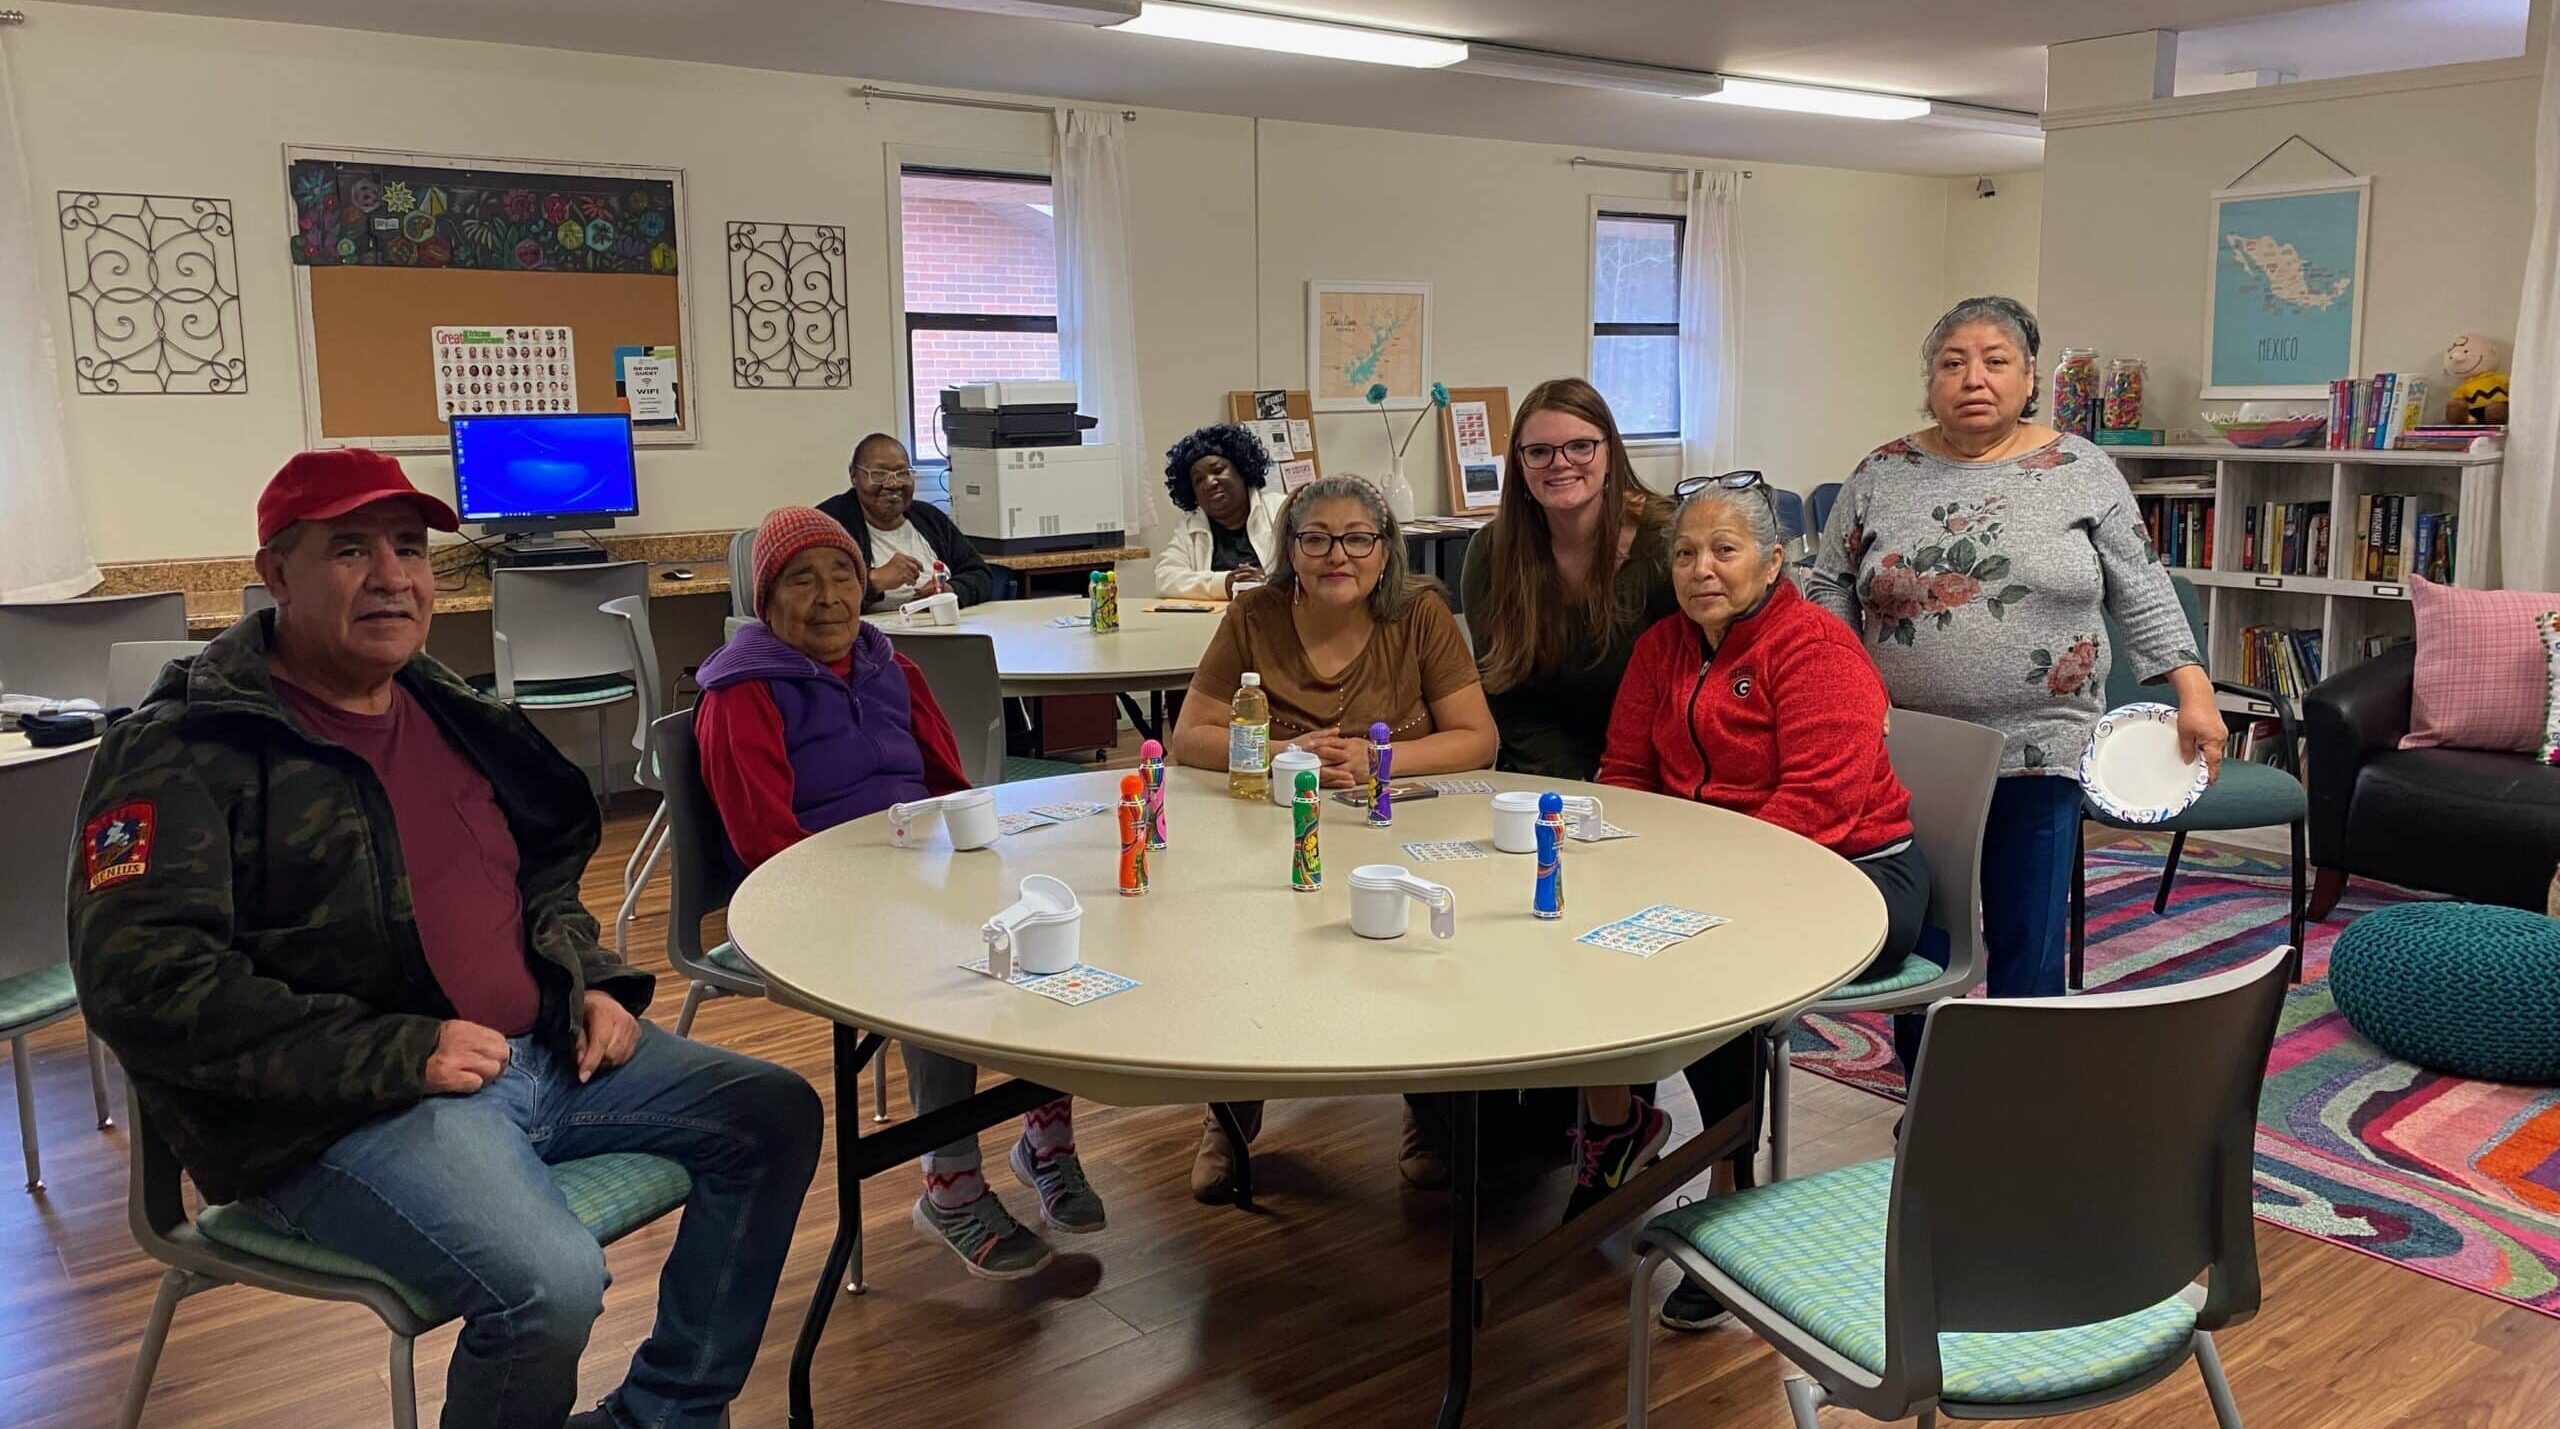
(1382, 808)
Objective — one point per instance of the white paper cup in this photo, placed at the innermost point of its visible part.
(970, 816)
(1515, 818)
(1383, 895)
(1284, 774)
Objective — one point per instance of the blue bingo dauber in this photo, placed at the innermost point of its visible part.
(1548, 899)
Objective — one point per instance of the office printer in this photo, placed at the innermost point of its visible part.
(1022, 479)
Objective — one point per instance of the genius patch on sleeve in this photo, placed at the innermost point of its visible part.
(117, 844)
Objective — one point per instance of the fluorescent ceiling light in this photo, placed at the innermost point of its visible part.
(1073, 12)
(1814, 99)
(2014, 123)
(1291, 37)
(1545, 67)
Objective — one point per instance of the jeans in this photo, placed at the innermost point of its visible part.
(451, 1197)
(2027, 846)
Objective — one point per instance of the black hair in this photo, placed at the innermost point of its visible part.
(856, 458)
(1241, 448)
(2006, 313)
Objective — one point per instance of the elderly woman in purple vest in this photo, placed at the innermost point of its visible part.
(810, 719)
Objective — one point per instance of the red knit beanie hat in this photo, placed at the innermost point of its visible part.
(786, 532)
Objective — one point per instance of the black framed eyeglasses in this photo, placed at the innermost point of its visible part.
(1689, 486)
(1538, 456)
(1316, 545)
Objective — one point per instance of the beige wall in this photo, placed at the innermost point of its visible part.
(1993, 243)
(1844, 269)
(2126, 210)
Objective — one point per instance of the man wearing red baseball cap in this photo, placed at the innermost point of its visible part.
(326, 912)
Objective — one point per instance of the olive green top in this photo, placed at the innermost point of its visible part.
(1556, 722)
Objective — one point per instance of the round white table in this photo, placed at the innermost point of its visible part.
(1152, 650)
(1249, 990)
(14, 750)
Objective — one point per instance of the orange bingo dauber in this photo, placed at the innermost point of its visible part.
(1133, 836)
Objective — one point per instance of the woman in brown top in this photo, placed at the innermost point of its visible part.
(1344, 637)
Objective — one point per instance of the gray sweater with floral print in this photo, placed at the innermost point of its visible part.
(1979, 588)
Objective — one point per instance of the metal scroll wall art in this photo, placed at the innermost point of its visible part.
(787, 324)
(154, 285)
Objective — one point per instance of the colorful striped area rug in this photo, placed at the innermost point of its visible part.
(2453, 1178)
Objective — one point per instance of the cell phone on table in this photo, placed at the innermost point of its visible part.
(1396, 793)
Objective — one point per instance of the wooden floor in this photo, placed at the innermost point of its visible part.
(1326, 1309)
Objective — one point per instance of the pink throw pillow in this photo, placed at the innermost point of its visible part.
(2481, 674)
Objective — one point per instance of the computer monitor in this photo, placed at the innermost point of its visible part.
(534, 475)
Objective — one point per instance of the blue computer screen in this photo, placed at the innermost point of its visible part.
(525, 468)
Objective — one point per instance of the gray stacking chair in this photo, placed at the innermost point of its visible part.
(255, 597)
(58, 648)
(632, 612)
(2068, 1167)
(556, 648)
(36, 990)
(742, 582)
(133, 666)
(612, 1195)
(704, 880)
(1951, 768)
(961, 670)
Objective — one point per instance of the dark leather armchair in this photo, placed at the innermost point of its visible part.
(2474, 824)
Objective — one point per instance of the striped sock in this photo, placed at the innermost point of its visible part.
(951, 1190)
(1050, 1129)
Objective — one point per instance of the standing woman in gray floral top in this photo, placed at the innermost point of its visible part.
(1978, 557)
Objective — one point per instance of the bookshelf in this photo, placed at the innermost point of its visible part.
(2346, 611)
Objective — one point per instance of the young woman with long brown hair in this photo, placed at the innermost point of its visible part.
(1574, 566)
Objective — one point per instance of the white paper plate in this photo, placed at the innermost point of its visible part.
(2131, 769)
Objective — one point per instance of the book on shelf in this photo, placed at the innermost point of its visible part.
(2470, 441)
(2284, 661)
(2185, 483)
(2285, 538)
(2369, 414)
(2373, 645)
(2131, 437)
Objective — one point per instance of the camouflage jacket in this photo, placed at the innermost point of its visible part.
(240, 920)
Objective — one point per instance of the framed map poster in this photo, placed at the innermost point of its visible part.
(1363, 334)
(2284, 303)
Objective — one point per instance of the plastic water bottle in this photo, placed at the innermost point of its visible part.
(1249, 742)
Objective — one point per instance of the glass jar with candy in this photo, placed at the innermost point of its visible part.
(2075, 391)
(2120, 400)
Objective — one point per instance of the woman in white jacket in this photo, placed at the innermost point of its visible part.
(1230, 529)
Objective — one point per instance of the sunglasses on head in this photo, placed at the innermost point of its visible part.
(1731, 481)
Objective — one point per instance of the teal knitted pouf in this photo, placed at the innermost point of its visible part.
(2459, 987)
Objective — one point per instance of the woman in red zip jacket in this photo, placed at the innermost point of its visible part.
(1751, 698)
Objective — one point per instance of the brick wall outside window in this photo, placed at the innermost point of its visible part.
(980, 246)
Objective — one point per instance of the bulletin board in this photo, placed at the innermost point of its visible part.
(389, 246)
(1301, 419)
(1474, 483)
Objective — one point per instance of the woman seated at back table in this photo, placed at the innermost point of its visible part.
(1230, 529)
(1343, 637)
(809, 719)
(1752, 698)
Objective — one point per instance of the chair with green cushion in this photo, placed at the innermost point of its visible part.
(611, 1195)
(36, 990)
(2033, 1246)
(1951, 768)
(631, 612)
(2248, 795)
(555, 648)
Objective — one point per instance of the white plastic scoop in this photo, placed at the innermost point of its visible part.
(1040, 929)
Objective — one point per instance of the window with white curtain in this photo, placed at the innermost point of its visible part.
(979, 285)
(1635, 321)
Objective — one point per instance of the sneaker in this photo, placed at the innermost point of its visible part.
(1693, 1307)
(1067, 1200)
(1425, 1167)
(1605, 1160)
(991, 1244)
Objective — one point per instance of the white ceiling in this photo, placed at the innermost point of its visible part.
(1988, 52)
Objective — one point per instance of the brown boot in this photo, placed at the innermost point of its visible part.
(1213, 1168)
(1425, 1167)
